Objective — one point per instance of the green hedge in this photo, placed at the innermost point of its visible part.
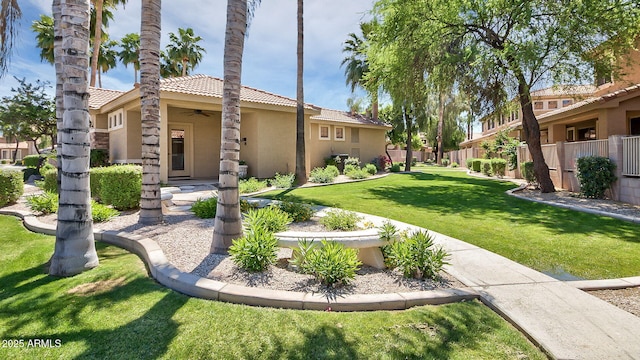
(476, 165)
(527, 172)
(498, 166)
(486, 167)
(31, 160)
(120, 185)
(11, 186)
(596, 174)
(49, 180)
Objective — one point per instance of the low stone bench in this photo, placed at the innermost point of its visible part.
(366, 241)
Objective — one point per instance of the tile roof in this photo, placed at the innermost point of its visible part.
(592, 100)
(345, 117)
(100, 96)
(565, 90)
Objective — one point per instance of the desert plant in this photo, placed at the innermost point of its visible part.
(352, 161)
(340, 220)
(45, 203)
(350, 168)
(299, 257)
(298, 211)
(324, 175)
(416, 256)
(498, 167)
(283, 181)
(596, 174)
(527, 172)
(269, 218)
(371, 169)
(205, 208)
(251, 185)
(102, 213)
(388, 231)
(245, 205)
(356, 173)
(255, 251)
(120, 186)
(332, 263)
(11, 186)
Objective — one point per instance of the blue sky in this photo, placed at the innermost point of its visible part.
(270, 50)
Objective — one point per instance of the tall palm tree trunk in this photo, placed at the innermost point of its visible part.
(228, 223)
(150, 202)
(301, 168)
(97, 40)
(57, 56)
(75, 248)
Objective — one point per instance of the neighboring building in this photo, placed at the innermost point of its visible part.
(191, 111)
(8, 148)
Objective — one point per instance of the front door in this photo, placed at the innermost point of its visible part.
(180, 154)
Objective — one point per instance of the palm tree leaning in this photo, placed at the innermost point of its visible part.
(184, 49)
(130, 53)
(357, 65)
(107, 59)
(97, 36)
(150, 201)
(301, 168)
(74, 248)
(9, 14)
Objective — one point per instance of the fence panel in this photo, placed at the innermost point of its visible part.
(631, 156)
(550, 154)
(575, 150)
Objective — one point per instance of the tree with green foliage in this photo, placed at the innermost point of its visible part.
(130, 53)
(107, 59)
(183, 50)
(9, 14)
(516, 45)
(44, 37)
(101, 14)
(357, 66)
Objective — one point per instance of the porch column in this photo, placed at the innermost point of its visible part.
(560, 169)
(164, 142)
(616, 155)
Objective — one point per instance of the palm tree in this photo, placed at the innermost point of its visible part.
(99, 6)
(301, 168)
(130, 53)
(357, 66)
(107, 58)
(184, 49)
(9, 14)
(168, 67)
(44, 37)
(150, 202)
(74, 248)
(57, 57)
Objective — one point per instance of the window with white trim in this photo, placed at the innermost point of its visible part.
(338, 132)
(116, 120)
(323, 134)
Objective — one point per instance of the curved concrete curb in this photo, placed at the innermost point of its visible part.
(168, 275)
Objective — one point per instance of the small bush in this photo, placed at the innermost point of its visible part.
(299, 257)
(469, 163)
(102, 213)
(596, 174)
(332, 263)
(49, 180)
(205, 208)
(486, 167)
(476, 165)
(31, 161)
(357, 173)
(5, 161)
(332, 160)
(11, 186)
(498, 167)
(255, 251)
(297, 211)
(527, 172)
(332, 170)
(371, 169)
(98, 158)
(416, 257)
(445, 162)
(395, 168)
(120, 186)
(45, 203)
(454, 164)
(350, 168)
(283, 181)
(251, 185)
(340, 220)
(245, 206)
(324, 175)
(352, 161)
(271, 219)
(382, 162)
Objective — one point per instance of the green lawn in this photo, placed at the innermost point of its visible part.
(116, 311)
(479, 212)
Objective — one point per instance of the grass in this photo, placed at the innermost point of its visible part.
(478, 211)
(116, 311)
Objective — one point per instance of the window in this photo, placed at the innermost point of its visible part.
(566, 103)
(355, 135)
(571, 134)
(339, 133)
(538, 105)
(324, 132)
(116, 120)
(552, 104)
(634, 126)
(587, 134)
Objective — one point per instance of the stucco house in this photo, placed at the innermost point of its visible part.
(191, 111)
(8, 148)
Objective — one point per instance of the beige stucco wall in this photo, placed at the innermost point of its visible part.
(274, 151)
(117, 145)
(134, 136)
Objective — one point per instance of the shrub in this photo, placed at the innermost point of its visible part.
(297, 211)
(371, 169)
(18, 162)
(4, 161)
(45, 203)
(332, 160)
(476, 165)
(299, 257)
(11, 186)
(596, 174)
(527, 172)
(271, 219)
(445, 162)
(350, 168)
(340, 220)
(498, 166)
(102, 213)
(245, 206)
(332, 263)
(31, 161)
(120, 186)
(414, 162)
(283, 181)
(352, 161)
(98, 158)
(255, 251)
(251, 185)
(95, 176)
(454, 164)
(416, 257)
(357, 173)
(388, 231)
(382, 162)
(486, 167)
(49, 180)
(332, 170)
(395, 168)
(469, 163)
(324, 175)
(205, 208)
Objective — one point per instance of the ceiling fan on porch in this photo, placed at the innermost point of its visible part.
(198, 112)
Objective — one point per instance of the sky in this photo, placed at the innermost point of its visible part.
(269, 61)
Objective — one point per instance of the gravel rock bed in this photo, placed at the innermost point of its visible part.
(626, 299)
